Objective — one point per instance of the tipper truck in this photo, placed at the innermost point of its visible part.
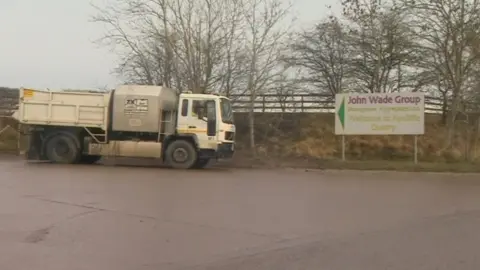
(184, 130)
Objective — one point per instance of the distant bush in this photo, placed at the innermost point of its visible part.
(8, 139)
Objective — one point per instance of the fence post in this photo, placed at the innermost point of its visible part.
(19, 138)
(263, 104)
(301, 103)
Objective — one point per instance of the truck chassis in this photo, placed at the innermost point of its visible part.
(75, 145)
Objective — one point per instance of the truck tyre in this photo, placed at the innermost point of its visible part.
(201, 163)
(181, 155)
(61, 148)
(87, 159)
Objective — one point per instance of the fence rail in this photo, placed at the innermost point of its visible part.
(267, 103)
(305, 103)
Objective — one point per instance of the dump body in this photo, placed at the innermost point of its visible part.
(63, 108)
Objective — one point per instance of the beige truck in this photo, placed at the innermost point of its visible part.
(183, 130)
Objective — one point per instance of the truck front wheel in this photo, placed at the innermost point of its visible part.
(181, 155)
(62, 149)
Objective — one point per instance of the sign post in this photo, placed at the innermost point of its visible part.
(380, 114)
(416, 150)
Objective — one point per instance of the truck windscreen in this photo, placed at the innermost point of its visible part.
(226, 111)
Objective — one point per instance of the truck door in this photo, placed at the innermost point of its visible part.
(190, 123)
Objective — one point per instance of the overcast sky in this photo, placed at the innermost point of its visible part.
(48, 43)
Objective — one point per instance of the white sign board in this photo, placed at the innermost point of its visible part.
(380, 114)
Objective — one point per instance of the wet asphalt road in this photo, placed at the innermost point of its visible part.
(130, 218)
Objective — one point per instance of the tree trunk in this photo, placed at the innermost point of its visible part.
(251, 123)
(444, 108)
(473, 139)
(451, 121)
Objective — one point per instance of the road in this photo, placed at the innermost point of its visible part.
(135, 218)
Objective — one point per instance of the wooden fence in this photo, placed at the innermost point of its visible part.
(306, 103)
(266, 103)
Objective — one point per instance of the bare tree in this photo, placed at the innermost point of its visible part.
(443, 27)
(265, 42)
(199, 25)
(178, 43)
(142, 58)
(383, 47)
(323, 54)
(233, 58)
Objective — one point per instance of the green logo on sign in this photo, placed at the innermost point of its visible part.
(341, 113)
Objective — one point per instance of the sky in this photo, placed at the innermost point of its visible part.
(50, 43)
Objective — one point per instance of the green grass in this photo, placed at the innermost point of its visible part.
(8, 141)
(8, 146)
(372, 165)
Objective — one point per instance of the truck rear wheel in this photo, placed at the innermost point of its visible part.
(181, 155)
(62, 149)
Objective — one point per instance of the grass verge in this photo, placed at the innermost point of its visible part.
(459, 167)
(245, 161)
(372, 165)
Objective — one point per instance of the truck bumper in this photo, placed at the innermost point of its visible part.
(224, 151)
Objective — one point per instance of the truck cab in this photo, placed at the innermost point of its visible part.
(210, 119)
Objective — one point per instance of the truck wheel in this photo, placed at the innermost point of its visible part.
(201, 163)
(62, 149)
(181, 155)
(87, 159)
